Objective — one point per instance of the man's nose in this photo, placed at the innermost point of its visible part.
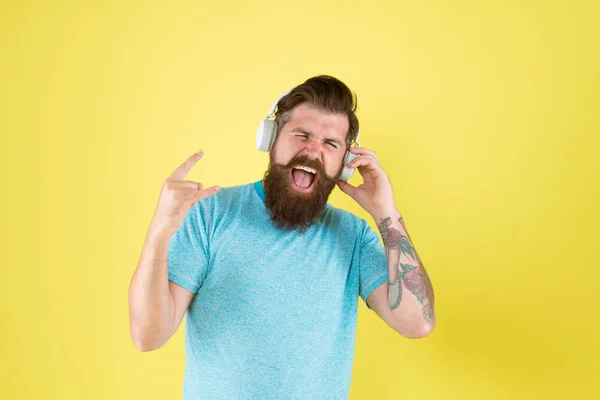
(314, 147)
(313, 152)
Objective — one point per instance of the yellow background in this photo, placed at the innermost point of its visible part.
(484, 114)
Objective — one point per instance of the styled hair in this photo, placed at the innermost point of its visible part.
(327, 94)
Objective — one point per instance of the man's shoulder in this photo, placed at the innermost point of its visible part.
(343, 218)
(227, 193)
(226, 200)
(237, 189)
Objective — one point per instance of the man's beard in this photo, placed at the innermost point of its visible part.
(289, 208)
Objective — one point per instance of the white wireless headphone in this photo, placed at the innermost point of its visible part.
(267, 133)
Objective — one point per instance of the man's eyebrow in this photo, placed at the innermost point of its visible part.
(307, 132)
(301, 130)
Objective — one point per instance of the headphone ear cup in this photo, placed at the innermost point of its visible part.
(265, 135)
(347, 172)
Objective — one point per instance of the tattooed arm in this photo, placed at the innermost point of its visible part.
(410, 293)
(406, 301)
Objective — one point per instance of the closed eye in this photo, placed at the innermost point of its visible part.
(331, 144)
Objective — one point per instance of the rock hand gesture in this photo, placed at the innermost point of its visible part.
(177, 197)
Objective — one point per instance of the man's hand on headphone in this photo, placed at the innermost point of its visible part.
(375, 194)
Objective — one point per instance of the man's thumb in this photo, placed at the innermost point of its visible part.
(209, 191)
(345, 187)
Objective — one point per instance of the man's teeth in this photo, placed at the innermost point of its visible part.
(307, 169)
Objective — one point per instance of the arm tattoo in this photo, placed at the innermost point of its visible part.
(411, 275)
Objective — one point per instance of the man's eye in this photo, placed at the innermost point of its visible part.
(302, 135)
(332, 145)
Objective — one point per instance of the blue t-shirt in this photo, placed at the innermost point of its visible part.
(274, 311)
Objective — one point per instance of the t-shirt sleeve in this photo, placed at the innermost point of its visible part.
(373, 264)
(188, 254)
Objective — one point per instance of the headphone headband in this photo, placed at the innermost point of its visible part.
(272, 110)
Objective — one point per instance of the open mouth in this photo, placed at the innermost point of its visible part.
(303, 178)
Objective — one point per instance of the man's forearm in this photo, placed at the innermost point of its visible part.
(410, 294)
(150, 301)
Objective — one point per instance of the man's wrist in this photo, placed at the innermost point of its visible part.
(381, 215)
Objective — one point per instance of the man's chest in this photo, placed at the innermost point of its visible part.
(285, 270)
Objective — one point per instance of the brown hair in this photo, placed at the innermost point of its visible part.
(325, 93)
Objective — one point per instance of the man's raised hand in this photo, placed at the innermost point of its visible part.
(177, 197)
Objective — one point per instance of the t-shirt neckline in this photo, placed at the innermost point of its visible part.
(260, 190)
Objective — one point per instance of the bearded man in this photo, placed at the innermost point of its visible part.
(268, 272)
